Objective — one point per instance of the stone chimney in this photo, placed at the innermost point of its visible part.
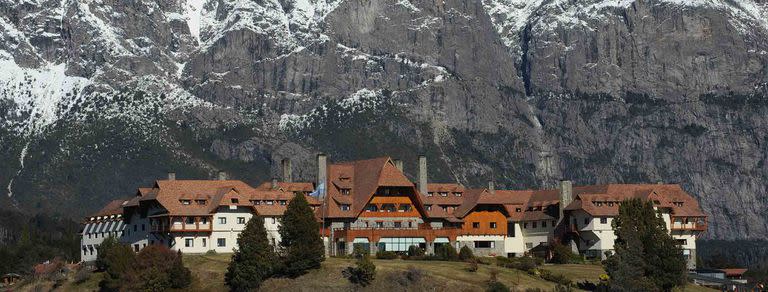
(491, 187)
(222, 175)
(171, 176)
(566, 196)
(287, 171)
(398, 164)
(274, 183)
(423, 175)
(322, 174)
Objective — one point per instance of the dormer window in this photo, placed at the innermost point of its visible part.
(200, 202)
(457, 194)
(610, 204)
(235, 201)
(445, 208)
(429, 207)
(186, 202)
(344, 207)
(598, 204)
(371, 208)
(518, 210)
(282, 202)
(270, 202)
(345, 192)
(443, 194)
(429, 194)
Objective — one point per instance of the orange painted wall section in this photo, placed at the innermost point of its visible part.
(397, 201)
(485, 218)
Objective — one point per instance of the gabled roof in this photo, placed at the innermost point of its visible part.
(114, 207)
(362, 178)
(664, 195)
(288, 186)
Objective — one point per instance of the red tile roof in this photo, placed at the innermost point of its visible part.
(666, 195)
(307, 187)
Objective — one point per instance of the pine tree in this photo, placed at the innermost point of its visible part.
(254, 260)
(465, 253)
(300, 238)
(108, 244)
(179, 275)
(647, 258)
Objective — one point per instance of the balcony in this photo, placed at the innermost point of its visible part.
(689, 227)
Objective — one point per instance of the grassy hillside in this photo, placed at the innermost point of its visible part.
(391, 275)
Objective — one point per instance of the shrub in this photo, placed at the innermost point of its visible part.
(211, 252)
(504, 261)
(410, 277)
(415, 251)
(156, 268)
(557, 278)
(446, 252)
(358, 251)
(82, 275)
(493, 284)
(466, 253)
(472, 265)
(363, 274)
(562, 254)
(386, 255)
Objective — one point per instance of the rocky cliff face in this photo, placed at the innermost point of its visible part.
(98, 97)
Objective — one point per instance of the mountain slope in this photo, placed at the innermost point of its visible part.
(104, 96)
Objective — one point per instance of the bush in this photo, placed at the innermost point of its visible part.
(557, 278)
(82, 275)
(446, 252)
(494, 285)
(363, 274)
(156, 268)
(472, 267)
(358, 252)
(466, 253)
(410, 277)
(562, 254)
(211, 252)
(386, 255)
(415, 251)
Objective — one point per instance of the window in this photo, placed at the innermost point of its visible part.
(457, 194)
(371, 208)
(269, 202)
(379, 224)
(525, 225)
(445, 208)
(221, 242)
(204, 220)
(345, 192)
(134, 227)
(398, 224)
(204, 242)
(599, 204)
(603, 220)
(240, 220)
(443, 194)
(190, 220)
(185, 202)
(345, 207)
(586, 220)
(543, 224)
(235, 201)
(142, 227)
(681, 241)
(518, 210)
(200, 202)
(189, 242)
(493, 225)
(388, 207)
(429, 194)
(282, 202)
(610, 204)
(429, 207)
(475, 225)
(533, 225)
(529, 245)
(404, 207)
(274, 220)
(222, 220)
(484, 244)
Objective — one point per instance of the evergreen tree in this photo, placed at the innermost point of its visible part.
(647, 258)
(465, 253)
(300, 238)
(108, 244)
(118, 261)
(363, 273)
(254, 261)
(179, 275)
